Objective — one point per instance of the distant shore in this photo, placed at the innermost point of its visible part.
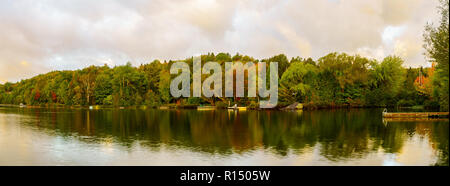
(195, 107)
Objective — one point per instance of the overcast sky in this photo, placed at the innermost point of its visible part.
(41, 36)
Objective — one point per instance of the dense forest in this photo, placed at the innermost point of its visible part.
(334, 80)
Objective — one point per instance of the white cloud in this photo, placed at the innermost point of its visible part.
(64, 34)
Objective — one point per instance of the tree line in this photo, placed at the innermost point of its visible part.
(334, 80)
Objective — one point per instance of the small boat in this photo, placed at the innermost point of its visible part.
(242, 108)
(294, 106)
(233, 107)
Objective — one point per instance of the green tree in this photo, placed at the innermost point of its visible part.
(387, 80)
(437, 47)
(127, 82)
(103, 86)
(283, 63)
(298, 82)
(164, 86)
(152, 72)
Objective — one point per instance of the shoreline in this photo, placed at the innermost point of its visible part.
(194, 107)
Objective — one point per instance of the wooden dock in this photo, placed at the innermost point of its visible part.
(415, 114)
(414, 119)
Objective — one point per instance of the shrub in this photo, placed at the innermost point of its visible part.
(431, 104)
(221, 104)
(406, 103)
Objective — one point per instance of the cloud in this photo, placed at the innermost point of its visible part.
(300, 44)
(399, 11)
(40, 36)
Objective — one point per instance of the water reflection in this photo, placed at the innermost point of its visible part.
(332, 136)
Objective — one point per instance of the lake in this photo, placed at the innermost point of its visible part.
(58, 136)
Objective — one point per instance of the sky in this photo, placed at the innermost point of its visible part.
(41, 36)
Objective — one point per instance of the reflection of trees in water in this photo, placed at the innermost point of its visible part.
(344, 134)
(341, 133)
(439, 132)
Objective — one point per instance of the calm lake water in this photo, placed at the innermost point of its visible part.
(190, 137)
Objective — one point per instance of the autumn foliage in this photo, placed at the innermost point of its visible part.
(423, 84)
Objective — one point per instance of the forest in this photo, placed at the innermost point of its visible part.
(334, 80)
